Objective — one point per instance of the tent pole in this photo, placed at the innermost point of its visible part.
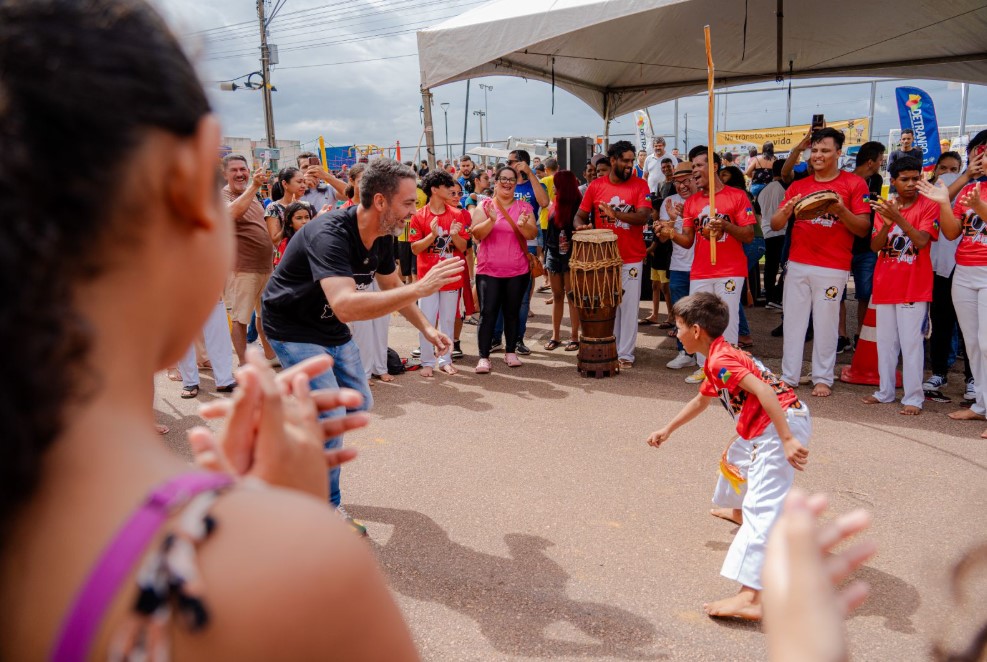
(429, 134)
(466, 121)
(964, 102)
(870, 114)
(675, 123)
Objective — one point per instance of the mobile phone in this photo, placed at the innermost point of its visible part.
(818, 122)
(314, 161)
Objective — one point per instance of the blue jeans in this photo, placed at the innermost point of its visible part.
(347, 372)
(754, 252)
(678, 286)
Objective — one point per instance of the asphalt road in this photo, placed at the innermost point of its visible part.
(521, 515)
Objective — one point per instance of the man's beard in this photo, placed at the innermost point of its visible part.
(622, 174)
(391, 224)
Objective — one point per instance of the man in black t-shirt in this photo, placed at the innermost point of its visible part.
(323, 281)
(907, 140)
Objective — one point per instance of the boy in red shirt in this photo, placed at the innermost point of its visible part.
(819, 261)
(620, 202)
(732, 228)
(773, 427)
(438, 231)
(903, 231)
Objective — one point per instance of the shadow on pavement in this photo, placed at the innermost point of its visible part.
(513, 600)
(890, 597)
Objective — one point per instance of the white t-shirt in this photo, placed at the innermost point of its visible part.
(652, 165)
(769, 200)
(943, 252)
(681, 257)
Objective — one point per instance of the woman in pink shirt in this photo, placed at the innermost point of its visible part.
(502, 263)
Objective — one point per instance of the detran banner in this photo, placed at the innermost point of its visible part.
(643, 130)
(917, 113)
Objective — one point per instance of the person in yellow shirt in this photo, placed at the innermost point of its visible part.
(551, 167)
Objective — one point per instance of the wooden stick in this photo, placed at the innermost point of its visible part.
(322, 153)
(711, 146)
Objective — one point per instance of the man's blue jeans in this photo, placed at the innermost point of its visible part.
(347, 372)
(678, 286)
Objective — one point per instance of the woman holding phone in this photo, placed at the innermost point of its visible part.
(502, 225)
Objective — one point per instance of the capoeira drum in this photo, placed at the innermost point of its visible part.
(596, 292)
(814, 204)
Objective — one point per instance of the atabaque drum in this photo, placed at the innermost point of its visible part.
(594, 271)
(815, 204)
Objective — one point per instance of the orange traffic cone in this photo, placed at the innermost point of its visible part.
(863, 368)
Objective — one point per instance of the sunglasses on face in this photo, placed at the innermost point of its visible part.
(507, 180)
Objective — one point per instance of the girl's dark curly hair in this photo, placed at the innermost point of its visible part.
(99, 75)
(289, 213)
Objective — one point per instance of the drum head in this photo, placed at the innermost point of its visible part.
(594, 236)
(815, 204)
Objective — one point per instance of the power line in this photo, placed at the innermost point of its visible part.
(331, 64)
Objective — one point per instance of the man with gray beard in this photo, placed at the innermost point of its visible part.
(323, 281)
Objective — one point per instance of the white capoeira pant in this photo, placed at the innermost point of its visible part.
(730, 290)
(900, 328)
(440, 309)
(816, 291)
(769, 478)
(970, 302)
(625, 326)
(370, 337)
(219, 347)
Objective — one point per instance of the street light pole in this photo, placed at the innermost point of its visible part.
(445, 111)
(486, 109)
(265, 62)
(481, 114)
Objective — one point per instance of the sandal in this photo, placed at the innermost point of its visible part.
(666, 325)
(552, 344)
(572, 346)
(482, 367)
(190, 392)
(229, 388)
(472, 320)
(512, 360)
(647, 322)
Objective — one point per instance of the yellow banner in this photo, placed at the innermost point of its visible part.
(786, 137)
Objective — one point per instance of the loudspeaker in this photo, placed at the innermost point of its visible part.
(573, 153)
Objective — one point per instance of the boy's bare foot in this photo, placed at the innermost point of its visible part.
(746, 605)
(174, 375)
(869, 400)
(965, 415)
(735, 515)
(910, 410)
(983, 435)
(821, 391)
(386, 377)
(449, 370)
(426, 372)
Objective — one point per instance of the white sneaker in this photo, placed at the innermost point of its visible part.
(683, 360)
(970, 393)
(696, 378)
(934, 383)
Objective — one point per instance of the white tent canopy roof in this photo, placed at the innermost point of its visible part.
(620, 55)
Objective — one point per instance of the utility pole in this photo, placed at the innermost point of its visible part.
(265, 67)
(481, 114)
(687, 133)
(466, 120)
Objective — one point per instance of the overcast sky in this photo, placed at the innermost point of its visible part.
(333, 79)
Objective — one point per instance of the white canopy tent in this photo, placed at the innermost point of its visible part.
(621, 55)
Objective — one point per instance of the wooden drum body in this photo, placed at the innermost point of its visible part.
(596, 293)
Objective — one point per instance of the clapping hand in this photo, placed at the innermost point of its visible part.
(272, 427)
(973, 200)
(888, 209)
(936, 192)
(673, 209)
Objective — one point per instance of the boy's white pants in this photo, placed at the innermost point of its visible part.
(625, 326)
(970, 302)
(899, 329)
(816, 291)
(445, 307)
(219, 347)
(730, 290)
(370, 337)
(769, 478)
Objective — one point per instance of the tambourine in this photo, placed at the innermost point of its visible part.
(815, 204)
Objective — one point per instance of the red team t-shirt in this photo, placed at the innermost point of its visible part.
(725, 367)
(903, 273)
(625, 197)
(972, 249)
(731, 261)
(824, 241)
(442, 248)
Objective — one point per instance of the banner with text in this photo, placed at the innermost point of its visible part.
(916, 112)
(643, 130)
(786, 137)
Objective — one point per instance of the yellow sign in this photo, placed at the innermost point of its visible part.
(857, 132)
